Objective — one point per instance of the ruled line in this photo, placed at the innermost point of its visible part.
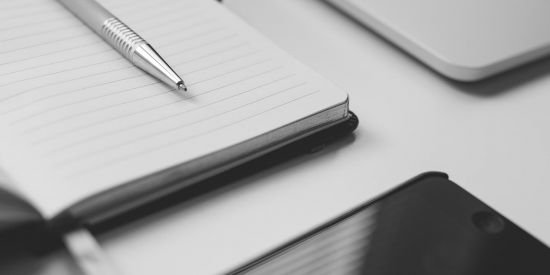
(148, 151)
(27, 25)
(230, 48)
(23, 4)
(97, 108)
(78, 157)
(119, 117)
(88, 33)
(80, 25)
(33, 129)
(124, 8)
(109, 49)
(29, 103)
(58, 62)
(170, 33)
(189, 13)
(86, 44)
(37, 142)
(65, 28)
(137, 4)
(139, 74)
(18, 16)
(233, 70)
(51, 42)
(118, 131)
(223, 62)
(166, 104)
(157, 35)
(87, 100)
(163, 17)
(117, 58)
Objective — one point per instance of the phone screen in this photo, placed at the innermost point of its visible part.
(429, 225)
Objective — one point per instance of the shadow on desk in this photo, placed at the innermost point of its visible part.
(506, 81)
(493, 86)
(21, 262)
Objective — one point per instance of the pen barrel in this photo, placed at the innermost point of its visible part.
(88, 11)
(105, 24)
(125, 40)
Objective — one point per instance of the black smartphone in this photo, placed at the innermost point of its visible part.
(428, 225)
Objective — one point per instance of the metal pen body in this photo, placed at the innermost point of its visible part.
(124, 40)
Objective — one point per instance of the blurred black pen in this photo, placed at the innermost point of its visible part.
(124, 40)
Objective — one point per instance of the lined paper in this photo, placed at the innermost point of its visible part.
(79, 118)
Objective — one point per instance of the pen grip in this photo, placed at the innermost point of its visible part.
(88, 11)
(121, 37)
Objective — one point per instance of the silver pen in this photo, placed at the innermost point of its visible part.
(124, 39)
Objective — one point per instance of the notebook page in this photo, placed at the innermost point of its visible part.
(78, 118)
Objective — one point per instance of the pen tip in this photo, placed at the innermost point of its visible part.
(182, 86)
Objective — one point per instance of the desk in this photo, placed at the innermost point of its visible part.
(492, 138)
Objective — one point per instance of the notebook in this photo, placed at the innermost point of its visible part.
(83, 129)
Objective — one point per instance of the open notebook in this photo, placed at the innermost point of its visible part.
(81, 127)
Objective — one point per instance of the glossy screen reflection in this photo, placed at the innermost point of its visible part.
(427, 227)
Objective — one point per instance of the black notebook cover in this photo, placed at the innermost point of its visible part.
(34, 233)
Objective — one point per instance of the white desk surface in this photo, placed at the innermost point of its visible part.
(493, 138)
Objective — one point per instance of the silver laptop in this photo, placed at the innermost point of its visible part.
(465, 40)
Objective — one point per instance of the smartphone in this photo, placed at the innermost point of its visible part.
(428, 225)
